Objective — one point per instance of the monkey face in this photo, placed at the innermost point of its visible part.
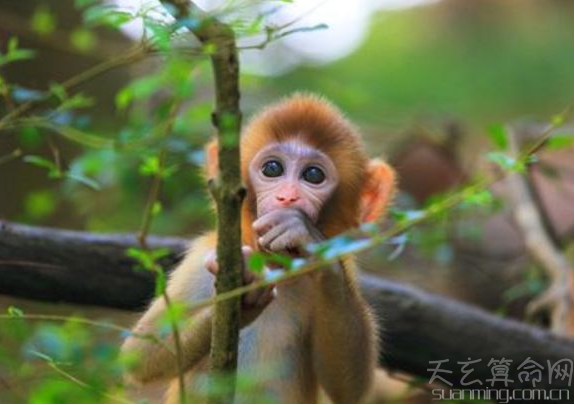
(292, 175)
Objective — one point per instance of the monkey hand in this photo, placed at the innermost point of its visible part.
(286, 230)
(253, 302)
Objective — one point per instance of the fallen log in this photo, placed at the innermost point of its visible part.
(418, 327)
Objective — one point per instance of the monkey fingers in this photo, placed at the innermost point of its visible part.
(273, 218)
(273, 233)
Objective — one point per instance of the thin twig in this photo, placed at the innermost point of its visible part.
(142, 239)
(130, 57)
(104, 325)
(54, 366)
(15, 154)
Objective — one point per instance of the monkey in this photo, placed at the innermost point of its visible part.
(308, 178)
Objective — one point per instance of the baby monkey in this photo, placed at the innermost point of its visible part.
(308, 178)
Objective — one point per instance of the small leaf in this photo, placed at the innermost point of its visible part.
(498, 135)
(15, 312)
(75, 102)
(150, 166)
(43, 21)
(256, 262)
(557, 120)
(40, 204)
(482, 198)
(14, 53)
(506, 162)
(58, 90)
(106, 14)
(156, 208)
(560, 141)
(53, 170)
(83, 40)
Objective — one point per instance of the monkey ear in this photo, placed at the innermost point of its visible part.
(377, 191)
(212, 165)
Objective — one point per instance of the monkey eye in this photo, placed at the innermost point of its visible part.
(272, 168)
(314, 175)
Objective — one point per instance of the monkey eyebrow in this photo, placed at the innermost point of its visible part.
(300, 149)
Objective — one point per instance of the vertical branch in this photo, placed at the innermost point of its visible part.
(228, 193)
(226, 190)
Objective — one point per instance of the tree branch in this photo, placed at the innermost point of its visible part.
(227, 189)
(85, 268)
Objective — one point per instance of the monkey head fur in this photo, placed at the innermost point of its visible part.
(364, 186)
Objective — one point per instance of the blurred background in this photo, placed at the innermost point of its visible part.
(426, 81)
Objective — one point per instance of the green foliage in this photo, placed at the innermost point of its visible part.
(506, 162)
(55, 172)
(499, 136)
(70, 361)
(83, 40)
(14, 54)
(106, 15)
(43, 21)
(39, 204)
(15, 312)
(147, 259)
(560, 141)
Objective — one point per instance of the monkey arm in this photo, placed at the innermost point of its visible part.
(190, 282)
(344, 336)
(153, 361)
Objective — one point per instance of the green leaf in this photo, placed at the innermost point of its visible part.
(139, 89)
(498, 135)
(83, 40)
(53, 169)
(147, 258)
(150, 166)
(40, 204)
(106, 15)
(84, 3)
(159, 34)
(156, 208)
(481, 198)
(506, 162)
(15, 312)
(75, 102)
(557, 120)
(58, 90)
(256, 262)
(560, 141)
(43, 21)
(14, 54)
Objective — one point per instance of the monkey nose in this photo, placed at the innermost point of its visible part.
(287, 200)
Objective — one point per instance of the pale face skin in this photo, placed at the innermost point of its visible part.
(292, 175)
(292, 182)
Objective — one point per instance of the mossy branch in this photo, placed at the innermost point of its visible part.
(226, 189)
